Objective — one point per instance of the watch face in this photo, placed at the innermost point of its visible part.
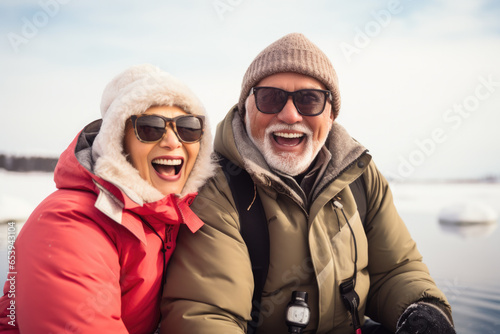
(298, 314)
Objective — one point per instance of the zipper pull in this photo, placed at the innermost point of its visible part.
(337, 204)
(168, 236)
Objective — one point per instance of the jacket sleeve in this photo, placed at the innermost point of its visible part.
(68, 273)
(209, 282)
(397, 274)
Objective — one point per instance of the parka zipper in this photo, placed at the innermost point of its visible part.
(165, 244)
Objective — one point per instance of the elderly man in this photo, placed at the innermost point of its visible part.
(329, 264)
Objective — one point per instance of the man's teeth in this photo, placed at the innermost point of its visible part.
(288, 134)
(168, 162)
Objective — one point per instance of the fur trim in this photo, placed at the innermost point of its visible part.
(131, 93)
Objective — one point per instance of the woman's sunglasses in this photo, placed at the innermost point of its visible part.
(308, 102)
(152, 128)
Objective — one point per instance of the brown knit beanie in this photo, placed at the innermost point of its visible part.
(291, 53)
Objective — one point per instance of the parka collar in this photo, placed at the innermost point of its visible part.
(171, 210)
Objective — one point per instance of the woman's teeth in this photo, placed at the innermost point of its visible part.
(168, 162)
(167, 166)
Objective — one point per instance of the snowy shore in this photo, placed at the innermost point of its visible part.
(459, 257)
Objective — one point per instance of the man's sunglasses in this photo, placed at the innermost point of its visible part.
(152, 128)
(308, 102)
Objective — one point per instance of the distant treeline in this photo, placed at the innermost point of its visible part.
(27, 164)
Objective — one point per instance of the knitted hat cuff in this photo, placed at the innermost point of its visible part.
(292, 53)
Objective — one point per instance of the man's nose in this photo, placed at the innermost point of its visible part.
(289, 114)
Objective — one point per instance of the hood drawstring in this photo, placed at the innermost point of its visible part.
(254, 197)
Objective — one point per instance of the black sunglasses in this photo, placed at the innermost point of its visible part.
(152, 128)
(308, 102)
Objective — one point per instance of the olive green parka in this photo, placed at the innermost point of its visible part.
(210, 284)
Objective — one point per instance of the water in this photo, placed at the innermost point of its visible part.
(463, 261)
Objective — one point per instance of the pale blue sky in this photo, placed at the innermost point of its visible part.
(420, 80)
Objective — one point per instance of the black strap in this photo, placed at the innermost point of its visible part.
(351, 301)
(347, 292)
(358, 189)
(253, 229)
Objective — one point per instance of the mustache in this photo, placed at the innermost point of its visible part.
(289, 127)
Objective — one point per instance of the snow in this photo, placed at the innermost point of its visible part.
(467, 213)
(452, 208)
(20, 193)
(432, 197)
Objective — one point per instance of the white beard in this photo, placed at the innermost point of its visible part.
(286, 162)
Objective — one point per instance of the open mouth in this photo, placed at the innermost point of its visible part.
(288, 138)
(168, 167)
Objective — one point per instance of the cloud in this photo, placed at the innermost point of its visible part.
(394, 90)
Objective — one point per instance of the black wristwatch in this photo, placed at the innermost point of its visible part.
(298, 312)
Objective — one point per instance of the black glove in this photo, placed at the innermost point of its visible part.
(424, 318)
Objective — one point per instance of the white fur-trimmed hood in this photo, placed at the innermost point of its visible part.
(131, 93)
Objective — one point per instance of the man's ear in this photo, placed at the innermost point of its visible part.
(244, 112)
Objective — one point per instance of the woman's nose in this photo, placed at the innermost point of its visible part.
(170, 139)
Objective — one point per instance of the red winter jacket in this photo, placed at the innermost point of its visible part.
(86, 262)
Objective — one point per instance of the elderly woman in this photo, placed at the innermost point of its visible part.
(92, 256)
